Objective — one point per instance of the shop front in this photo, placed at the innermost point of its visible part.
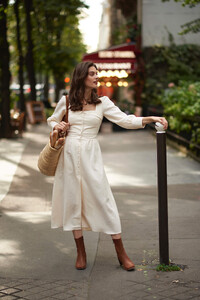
(117, 67)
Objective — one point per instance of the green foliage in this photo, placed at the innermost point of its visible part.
(182, 104)
(169, 64)
(167, 268)
(57, 40)
(191, 3)
(57, 37)
(49, 112)
(193, 26)
(172, 83)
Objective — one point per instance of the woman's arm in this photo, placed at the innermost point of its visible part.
(153, 119)
(115, 115)
(58, 113)
(55, 121)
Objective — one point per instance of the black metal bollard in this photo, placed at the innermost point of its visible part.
(162, 195)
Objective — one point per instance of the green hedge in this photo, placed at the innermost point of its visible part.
(182, 104)
(168, 64)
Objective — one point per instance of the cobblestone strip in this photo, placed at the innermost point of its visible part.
(33, 289)
(161, 289)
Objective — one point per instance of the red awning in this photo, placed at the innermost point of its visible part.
(120, 57)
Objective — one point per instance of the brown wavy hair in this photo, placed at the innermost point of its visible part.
(77, 89)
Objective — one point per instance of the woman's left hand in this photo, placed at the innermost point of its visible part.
(55, 141)
(62, 126)
(161, 120)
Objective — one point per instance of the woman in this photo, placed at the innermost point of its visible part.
(82, 198)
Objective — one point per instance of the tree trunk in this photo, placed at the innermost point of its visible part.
(57, 77)
(5, 75)
(29, 56)
(22, 105)
(60, 85)
(46, 91)
(20, 58)
(46, 87)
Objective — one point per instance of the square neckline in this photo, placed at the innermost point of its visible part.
(80, 111)
(83, 111)
(91, 109)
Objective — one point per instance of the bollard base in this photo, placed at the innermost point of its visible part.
(168, 268)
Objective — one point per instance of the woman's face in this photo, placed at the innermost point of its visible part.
(92, 78)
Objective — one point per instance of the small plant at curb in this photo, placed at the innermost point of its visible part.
(167, 268)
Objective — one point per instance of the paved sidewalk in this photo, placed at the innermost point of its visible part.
(38, 263)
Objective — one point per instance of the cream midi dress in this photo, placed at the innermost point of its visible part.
(82, 198)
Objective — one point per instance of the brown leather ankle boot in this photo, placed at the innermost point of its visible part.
(123, 258)
(81, 254)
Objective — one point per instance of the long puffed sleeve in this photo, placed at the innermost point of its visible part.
(58, 114)
(115, 115)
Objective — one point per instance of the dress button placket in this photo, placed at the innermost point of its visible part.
(79, 161)
(79, 152)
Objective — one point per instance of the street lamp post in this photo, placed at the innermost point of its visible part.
(162, 194)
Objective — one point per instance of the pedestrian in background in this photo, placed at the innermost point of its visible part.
(82, 198)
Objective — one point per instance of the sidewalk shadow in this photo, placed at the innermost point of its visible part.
(29, 248)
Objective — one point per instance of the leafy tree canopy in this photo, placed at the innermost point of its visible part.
(57, 40)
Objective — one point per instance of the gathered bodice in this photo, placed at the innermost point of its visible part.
(84, 124)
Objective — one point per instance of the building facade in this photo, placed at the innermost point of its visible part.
(161, 18)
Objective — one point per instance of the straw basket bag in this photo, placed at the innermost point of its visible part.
(49, 156)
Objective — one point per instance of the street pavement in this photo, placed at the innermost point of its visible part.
(37, 262)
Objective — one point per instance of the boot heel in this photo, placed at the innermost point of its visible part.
(127, 269)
